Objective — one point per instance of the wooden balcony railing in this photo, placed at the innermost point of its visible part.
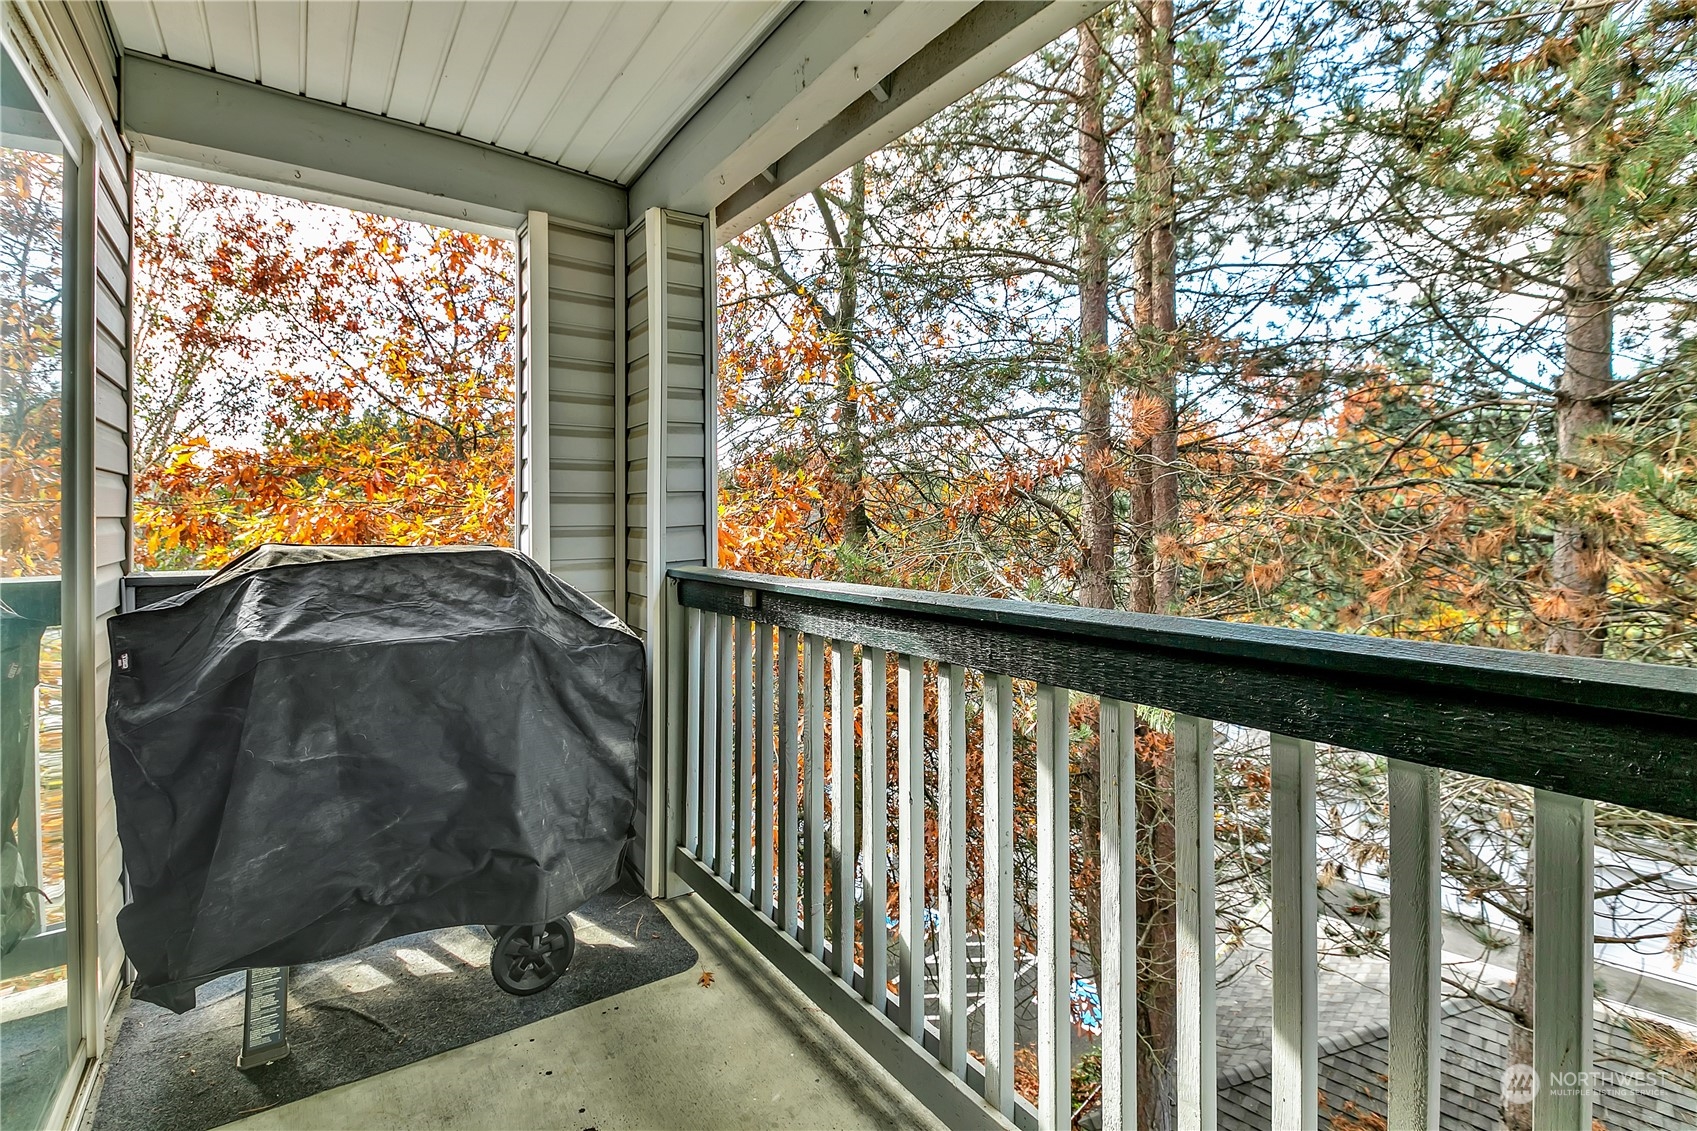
(762, 679)
(32, 605)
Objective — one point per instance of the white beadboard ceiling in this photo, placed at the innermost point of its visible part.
(594, 86)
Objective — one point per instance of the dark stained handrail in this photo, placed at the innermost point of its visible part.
(1624, 733)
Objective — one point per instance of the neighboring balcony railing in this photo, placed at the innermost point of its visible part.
(32, 612)
(150, 587)
(762, 681)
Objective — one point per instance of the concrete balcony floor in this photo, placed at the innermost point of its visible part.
(749, 1051)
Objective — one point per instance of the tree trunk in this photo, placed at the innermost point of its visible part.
(850, 470)
(1096, 398)
(1579, 562)
(1141, 533)
(1154, 573)
(1157, 951)
(1518, 1117)
(1095, 375)
(1163, 310)
(1579, 565)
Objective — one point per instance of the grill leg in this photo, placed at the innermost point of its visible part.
(265, 1017)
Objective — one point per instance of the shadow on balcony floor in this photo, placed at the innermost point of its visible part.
(384, 1007)
(746, 1051)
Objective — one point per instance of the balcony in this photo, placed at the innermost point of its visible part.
(877, 815)
(763, 693)
(810, 990)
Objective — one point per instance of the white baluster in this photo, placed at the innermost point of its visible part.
(692, 731)
(765, 824)
(999, 968)
(910, 842)
(745, 759)
(875, 820)
(710, 693)
(1054, 911)
(726, 859)
(813, 798)
(1563, 959)
(951, 867)
(1416, 947)
(842, 806)
(1116, 755)
(789, 775)
(1193, 865)
(1296, 1005)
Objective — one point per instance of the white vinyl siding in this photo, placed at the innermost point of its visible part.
(667, 504)
(531, 336)
(582, 414)
(572, 433)
(679, 500)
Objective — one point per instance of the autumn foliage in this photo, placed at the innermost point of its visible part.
(1365, 320)
(31, 302)
(310, 375)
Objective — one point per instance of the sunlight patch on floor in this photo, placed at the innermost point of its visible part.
(419, 963)
(469, 946)
(357, 977)
(588, 934)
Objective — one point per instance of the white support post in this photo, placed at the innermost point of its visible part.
(1416, 947)
(1054, 910)
(659, 452)
(765, 825)
(952, 926)
(1116, 759)
(813, 799)
(789, 773)
(1296, 1003)
(621, 428)
(655, 525)
(1563, 959)
(535, 522)
(910, 842)
(842, 808)
(999, 968)
(875, 825)
(1193, 864)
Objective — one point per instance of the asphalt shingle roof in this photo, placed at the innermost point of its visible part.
(1354, 996)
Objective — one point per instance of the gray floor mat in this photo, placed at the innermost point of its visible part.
(393, 1004)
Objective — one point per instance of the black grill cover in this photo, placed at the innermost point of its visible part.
(322, 748)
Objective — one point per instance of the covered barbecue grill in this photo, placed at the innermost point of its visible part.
(323, 748)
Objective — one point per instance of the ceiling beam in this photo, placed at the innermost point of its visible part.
(819, 60)
(981, 45)
(196, 123)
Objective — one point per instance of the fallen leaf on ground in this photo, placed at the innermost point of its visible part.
(706, 978)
